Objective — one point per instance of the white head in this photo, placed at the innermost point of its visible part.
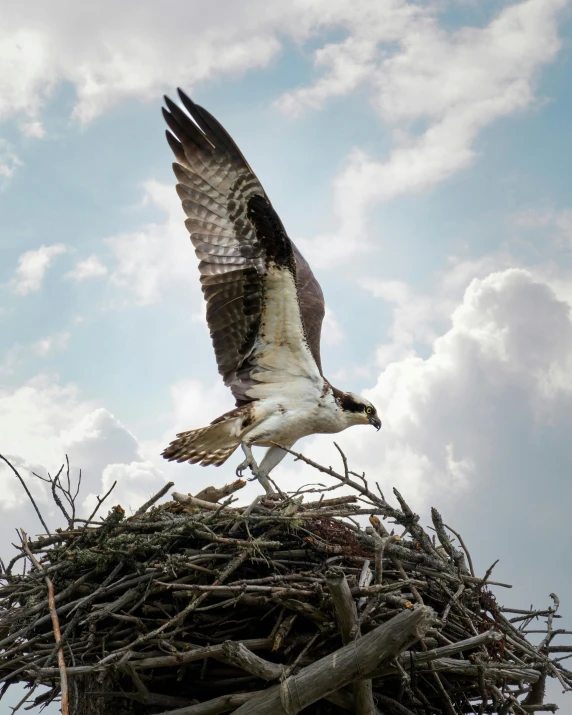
(357, 410)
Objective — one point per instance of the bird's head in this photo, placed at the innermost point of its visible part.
(357, 410)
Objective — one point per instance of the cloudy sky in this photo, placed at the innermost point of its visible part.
(417, 152)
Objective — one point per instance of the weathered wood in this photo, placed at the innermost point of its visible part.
(146, 604)
(344, 604)
(356, 660)
(239, 655)
(419, 659)
(214, 494)
(188, 500)
(346, 613)
(223, 704)
(164, 661)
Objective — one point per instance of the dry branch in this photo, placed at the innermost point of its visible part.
(201, 606)
(356, 660)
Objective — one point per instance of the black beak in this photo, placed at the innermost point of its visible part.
(375, 421)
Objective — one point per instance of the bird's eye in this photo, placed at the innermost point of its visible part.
(368, 410)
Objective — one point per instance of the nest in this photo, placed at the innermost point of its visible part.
(303, 602)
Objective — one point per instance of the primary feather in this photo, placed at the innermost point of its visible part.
(264, 306)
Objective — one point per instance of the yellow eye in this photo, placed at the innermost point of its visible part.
(368, 410)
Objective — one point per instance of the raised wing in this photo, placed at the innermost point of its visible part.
(264, 306)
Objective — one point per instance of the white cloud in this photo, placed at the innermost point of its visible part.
(42, 421)
(332, 333)
(454, 81)
(418, 319)
(556, 224)
(136, 482)
(459, 82)
(8, 160)
(196, 405)
(33, 415)
(52, 343)
(33, 129)
(158, 254)
(132, 57)
(349, 63)
(32, 267)
(451, 83)
(147, 46)
(496, 390)
(505, 361)
(91, 267)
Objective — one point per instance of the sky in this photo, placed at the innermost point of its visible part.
(417, 152)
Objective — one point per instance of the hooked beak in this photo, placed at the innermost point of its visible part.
(375, 421)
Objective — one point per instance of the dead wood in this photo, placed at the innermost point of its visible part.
(201, 605)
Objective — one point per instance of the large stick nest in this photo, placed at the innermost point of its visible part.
(200, 606)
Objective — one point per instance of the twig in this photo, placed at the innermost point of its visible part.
(465, 549)
(23, 483)
(150, 502)
(55, 624)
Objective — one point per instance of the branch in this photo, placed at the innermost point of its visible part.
(348, 623)
(353, 661)
(56, 626)
(160, 493)
(13, 468)
(238, 654)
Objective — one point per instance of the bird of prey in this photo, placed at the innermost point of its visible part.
(264, 307)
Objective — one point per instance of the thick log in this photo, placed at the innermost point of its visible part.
(359, 659)
(420, 659)
(348, 624)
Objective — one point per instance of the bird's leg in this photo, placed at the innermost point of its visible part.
(274, 455)
(251, 462)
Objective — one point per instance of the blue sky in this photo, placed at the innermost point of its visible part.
(417, 152)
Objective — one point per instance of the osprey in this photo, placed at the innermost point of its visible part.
(264, 307)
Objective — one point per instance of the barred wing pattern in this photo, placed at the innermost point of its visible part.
(242, 247)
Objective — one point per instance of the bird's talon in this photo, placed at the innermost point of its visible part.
(241, 467)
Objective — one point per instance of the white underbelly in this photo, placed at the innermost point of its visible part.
(287, 423)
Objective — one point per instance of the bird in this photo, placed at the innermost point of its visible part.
(264, 307)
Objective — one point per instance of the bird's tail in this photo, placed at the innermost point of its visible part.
(208, 445)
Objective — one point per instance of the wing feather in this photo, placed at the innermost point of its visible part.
(264, 305)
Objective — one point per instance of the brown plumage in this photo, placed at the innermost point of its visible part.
(236, 234)
(265, 308)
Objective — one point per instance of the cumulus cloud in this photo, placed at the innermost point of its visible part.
(502, 368)
(450, 83)
(42, 421)
(32, 267)
(153, 257)
(459, 83)
(148, 46)
(347, 64)
(488, 409)
(91, 267)
(454, 82)
(419, 318)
